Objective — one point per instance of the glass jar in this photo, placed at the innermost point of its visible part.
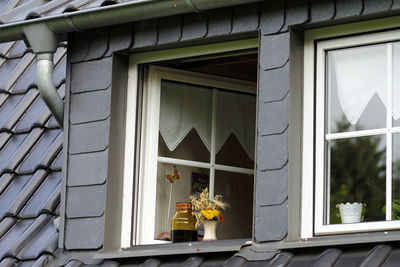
(183, 224)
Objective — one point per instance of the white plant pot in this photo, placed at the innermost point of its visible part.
(350, 212)
(210, 229)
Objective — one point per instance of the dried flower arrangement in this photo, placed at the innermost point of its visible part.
(207, 209)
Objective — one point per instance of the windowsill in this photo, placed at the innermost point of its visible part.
(175, 248)
(343, 239)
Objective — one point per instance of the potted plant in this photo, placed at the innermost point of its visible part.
(208, 212)
(350, 212)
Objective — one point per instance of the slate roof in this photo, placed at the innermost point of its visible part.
(30, 159)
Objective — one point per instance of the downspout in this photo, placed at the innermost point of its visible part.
(44, 43)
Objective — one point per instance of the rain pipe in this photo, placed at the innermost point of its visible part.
(44, 43)
(41, 33)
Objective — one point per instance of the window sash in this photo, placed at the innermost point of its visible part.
(321, 136)
(149, 148)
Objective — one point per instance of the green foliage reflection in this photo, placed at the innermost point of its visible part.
(357, 170)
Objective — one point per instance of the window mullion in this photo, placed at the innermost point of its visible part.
(213, 143)
(389, 79)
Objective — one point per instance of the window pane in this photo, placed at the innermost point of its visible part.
(356, 88)
(396, 177)
(191, 179)
(190, 148)
(237, 190)
(356, 169)
(185, 121)
(235, 129)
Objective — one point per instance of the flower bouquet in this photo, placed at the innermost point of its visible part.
(208, 212)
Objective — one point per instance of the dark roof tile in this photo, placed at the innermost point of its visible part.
(5, 180)
(351, 258)
(44, 260)
(193, 262)
(74, 263)
(29, 233)
(328, 257)
(52, 123)
(46, 241)
(7, 262)
(59, 71)
(26, 81)
(393, 259)
(377, 256)
(5, 48)
(57, 163)
(5, 71)
(15, 107)
(20, 190)
(12, 236)
(6, 224)
(13, 76)
(17, 148)
(44, 151)
(20, 12)
(18, 50)
(47, 8)
(75, 5)
(282, 259)
(4, 137)
(36, 115)
(45, 199)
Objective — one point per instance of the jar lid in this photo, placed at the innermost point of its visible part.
(184, 205)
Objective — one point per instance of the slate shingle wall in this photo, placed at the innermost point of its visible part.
(91, 55)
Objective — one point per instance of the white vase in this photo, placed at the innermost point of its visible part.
(210, 229)
(350, 212)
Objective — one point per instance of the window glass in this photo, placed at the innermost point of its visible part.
(355, 171)
(171, 190)
(361, 145)
(206, 139)
(237, 189)
(356, 88)
(185, 121)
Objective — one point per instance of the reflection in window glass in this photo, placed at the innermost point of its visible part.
(396, 177)
(356, 173)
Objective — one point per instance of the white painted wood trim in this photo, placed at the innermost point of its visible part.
(320, 227)
(389, 120)
(190, 163)
(130, 134)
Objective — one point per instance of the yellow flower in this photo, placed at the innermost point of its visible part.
(210, 214)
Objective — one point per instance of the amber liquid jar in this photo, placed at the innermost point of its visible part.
(183, 224)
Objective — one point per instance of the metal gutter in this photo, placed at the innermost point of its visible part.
(113, 14)
(44, 33)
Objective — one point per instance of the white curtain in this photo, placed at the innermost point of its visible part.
(184, 107)
(361, 73)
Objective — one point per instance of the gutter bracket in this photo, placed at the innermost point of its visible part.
(44, 43)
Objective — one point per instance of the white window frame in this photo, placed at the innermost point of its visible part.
(150, 136)
(316, 42)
